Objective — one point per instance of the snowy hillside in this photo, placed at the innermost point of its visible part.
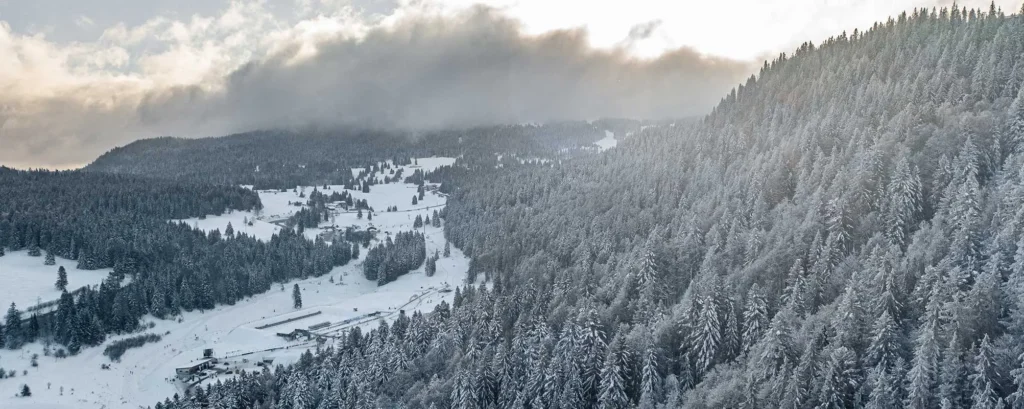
(278, 206)
(244, 334)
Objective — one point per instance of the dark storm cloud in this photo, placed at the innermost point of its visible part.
(475, 68)
(419, 72)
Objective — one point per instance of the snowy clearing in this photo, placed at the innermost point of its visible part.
(607, 142)
(278, 206)
(26, 281)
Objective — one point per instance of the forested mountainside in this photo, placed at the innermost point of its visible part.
(284, 159)
(118, 221)
(844, 230)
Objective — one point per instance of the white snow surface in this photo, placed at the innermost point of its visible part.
(607, 142)
(278, 206)
(26, 281)
(146, 375)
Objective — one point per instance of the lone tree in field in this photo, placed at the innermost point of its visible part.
(297, 296)
(25, 391)
(62, 279)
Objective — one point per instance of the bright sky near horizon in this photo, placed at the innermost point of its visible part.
(738, 29)
(79, 76)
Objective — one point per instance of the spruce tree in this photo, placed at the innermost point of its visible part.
(33, 249)
(755, 317)
(1016, 117)
(840, 380)
(62, 279)
(50, 260)
(885, 343)
(447, 249)
(798, 392)
(612, 394)
(12, 327)
(296, 297)
(706, 336)
(953, 376)
(650, 379)
(984, 378)
(904, 202)
(1016, 399)
(924, 369)
(431, 267)
(885, 391)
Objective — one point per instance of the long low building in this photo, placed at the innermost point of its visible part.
(186, 372)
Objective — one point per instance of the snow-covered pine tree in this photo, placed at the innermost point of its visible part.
(953, 387)
(706, 335)
(984, 378)
(840, 380)
(755, 317)
(884, 390)
(885, 342)
(612, 393)
(903, 204)
(650, 377)
(924, 370)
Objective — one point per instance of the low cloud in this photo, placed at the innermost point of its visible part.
(410, 71)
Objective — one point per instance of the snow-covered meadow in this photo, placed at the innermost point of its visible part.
(145, 375)
(26, 281)
(607, 142)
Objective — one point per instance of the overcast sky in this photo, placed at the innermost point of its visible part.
(78, 77)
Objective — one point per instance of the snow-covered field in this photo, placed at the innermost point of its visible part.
(146, 375)
(278, 206)
(607, 142)
(26, 281)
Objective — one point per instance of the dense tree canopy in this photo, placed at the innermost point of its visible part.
(843, 230)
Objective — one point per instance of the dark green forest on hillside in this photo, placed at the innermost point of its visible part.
(284, 159)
